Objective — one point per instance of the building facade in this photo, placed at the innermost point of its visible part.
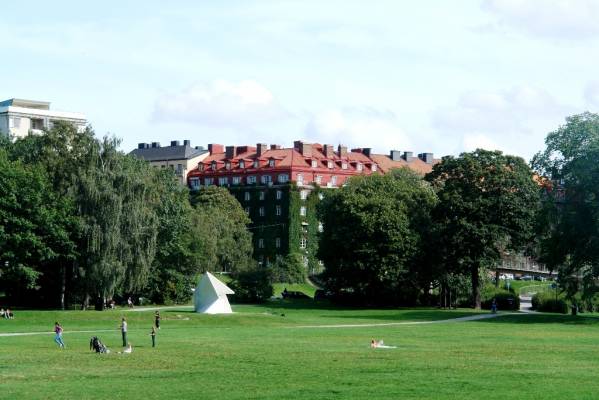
(279, 188)
(19, 118)
(181, 158)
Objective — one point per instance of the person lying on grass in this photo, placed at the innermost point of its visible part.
(379, 344)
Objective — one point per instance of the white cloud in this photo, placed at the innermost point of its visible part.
(556, 19)
(221, 103)
(591, 94)
(358, 127)
(516, 120)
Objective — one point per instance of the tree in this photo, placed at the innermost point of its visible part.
(570, 234)
(372, 237)
(487, 204)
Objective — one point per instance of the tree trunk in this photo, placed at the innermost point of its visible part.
(475, 287)
(63, 286)
(496, 278)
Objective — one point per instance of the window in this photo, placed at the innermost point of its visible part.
(228, 165)
(179, 169)
(223, 180)
(334, 180)
(303, 211)
(303, 243)
(279, 195)
(256, 163)
(318, 179)
(241, 164)
(344, 165)
(359, 167)
(14, 122)
(303, 194)
(213, 165)
(314, 163)
(283, 178)
(278, 243)
(247, 210)
(261, 211)
(246, 196)
(300, 179)
(208, 181)
(251, 179)
(37, 123)
(201, 166)
(236, 180)
(195, 183)
(330, 164)
(278, 210)
(262, 195)
(271, 162)
(266, 179)
(260, 243)
(373, 168)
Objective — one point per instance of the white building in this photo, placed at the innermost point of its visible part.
(20, 117)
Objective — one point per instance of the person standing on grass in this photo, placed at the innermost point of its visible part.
(153, 334)
(58, 337)
(157, 320)
(124, 331)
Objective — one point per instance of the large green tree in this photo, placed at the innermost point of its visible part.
(487, 204)
(373, 235)
(570, 225)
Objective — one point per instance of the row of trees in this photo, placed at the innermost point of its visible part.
(81, 221)
(388, 238)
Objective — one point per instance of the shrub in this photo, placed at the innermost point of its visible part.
(505, 300)
(252, 286)
(289, 269)
(546, 302)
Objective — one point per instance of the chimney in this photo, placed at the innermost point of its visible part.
(426, 157)
(215, 148)
(187, 143)
(275, 146)
(241, 149)
(395, 155)
(408, 155)
(155, 145)
(329, 150)
(366, 151)
(306, 149)
(175, 143)
(261, 149)
(230, 152)
(342, 150)
(142, 145)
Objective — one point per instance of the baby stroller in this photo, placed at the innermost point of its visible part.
(96, 345)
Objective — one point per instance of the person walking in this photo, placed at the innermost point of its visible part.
(124, 331)
(58, 337)
(157, 320)
(153, 334)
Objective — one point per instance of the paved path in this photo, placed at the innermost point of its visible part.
(441, 321)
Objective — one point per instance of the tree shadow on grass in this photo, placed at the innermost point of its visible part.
(543, 318)
(398, 315)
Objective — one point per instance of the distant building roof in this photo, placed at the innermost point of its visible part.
(154, 152)
(38, 105)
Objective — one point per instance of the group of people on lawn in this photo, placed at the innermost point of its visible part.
(124, 327)
(6, 314)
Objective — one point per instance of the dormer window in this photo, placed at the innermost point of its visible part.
(373, 168)
(228, 165)
(314, 163)
(201, 166)
(359, 167)
(241, 164)
(344, 165)
(256, 163)
(330, 164)
(213, 165)
(271, 162)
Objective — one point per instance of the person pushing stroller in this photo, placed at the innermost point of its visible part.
(96, 345)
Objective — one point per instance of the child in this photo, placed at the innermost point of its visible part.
(153, 334)
(157, 319)
(58, 337)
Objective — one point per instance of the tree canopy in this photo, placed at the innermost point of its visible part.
(487, 205)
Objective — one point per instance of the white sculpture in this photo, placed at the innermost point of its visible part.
(210, 296)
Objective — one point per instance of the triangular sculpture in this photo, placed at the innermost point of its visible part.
(210, 296)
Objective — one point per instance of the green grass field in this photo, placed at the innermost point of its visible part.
(268, 352)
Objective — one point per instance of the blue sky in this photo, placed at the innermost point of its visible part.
(422, 76)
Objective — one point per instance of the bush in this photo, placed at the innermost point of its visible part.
(288, 269)
(252, 286)
(546, 302)
(505, 300)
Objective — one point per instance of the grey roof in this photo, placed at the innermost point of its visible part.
(168, 153)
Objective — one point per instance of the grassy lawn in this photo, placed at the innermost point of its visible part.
(267, 352)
